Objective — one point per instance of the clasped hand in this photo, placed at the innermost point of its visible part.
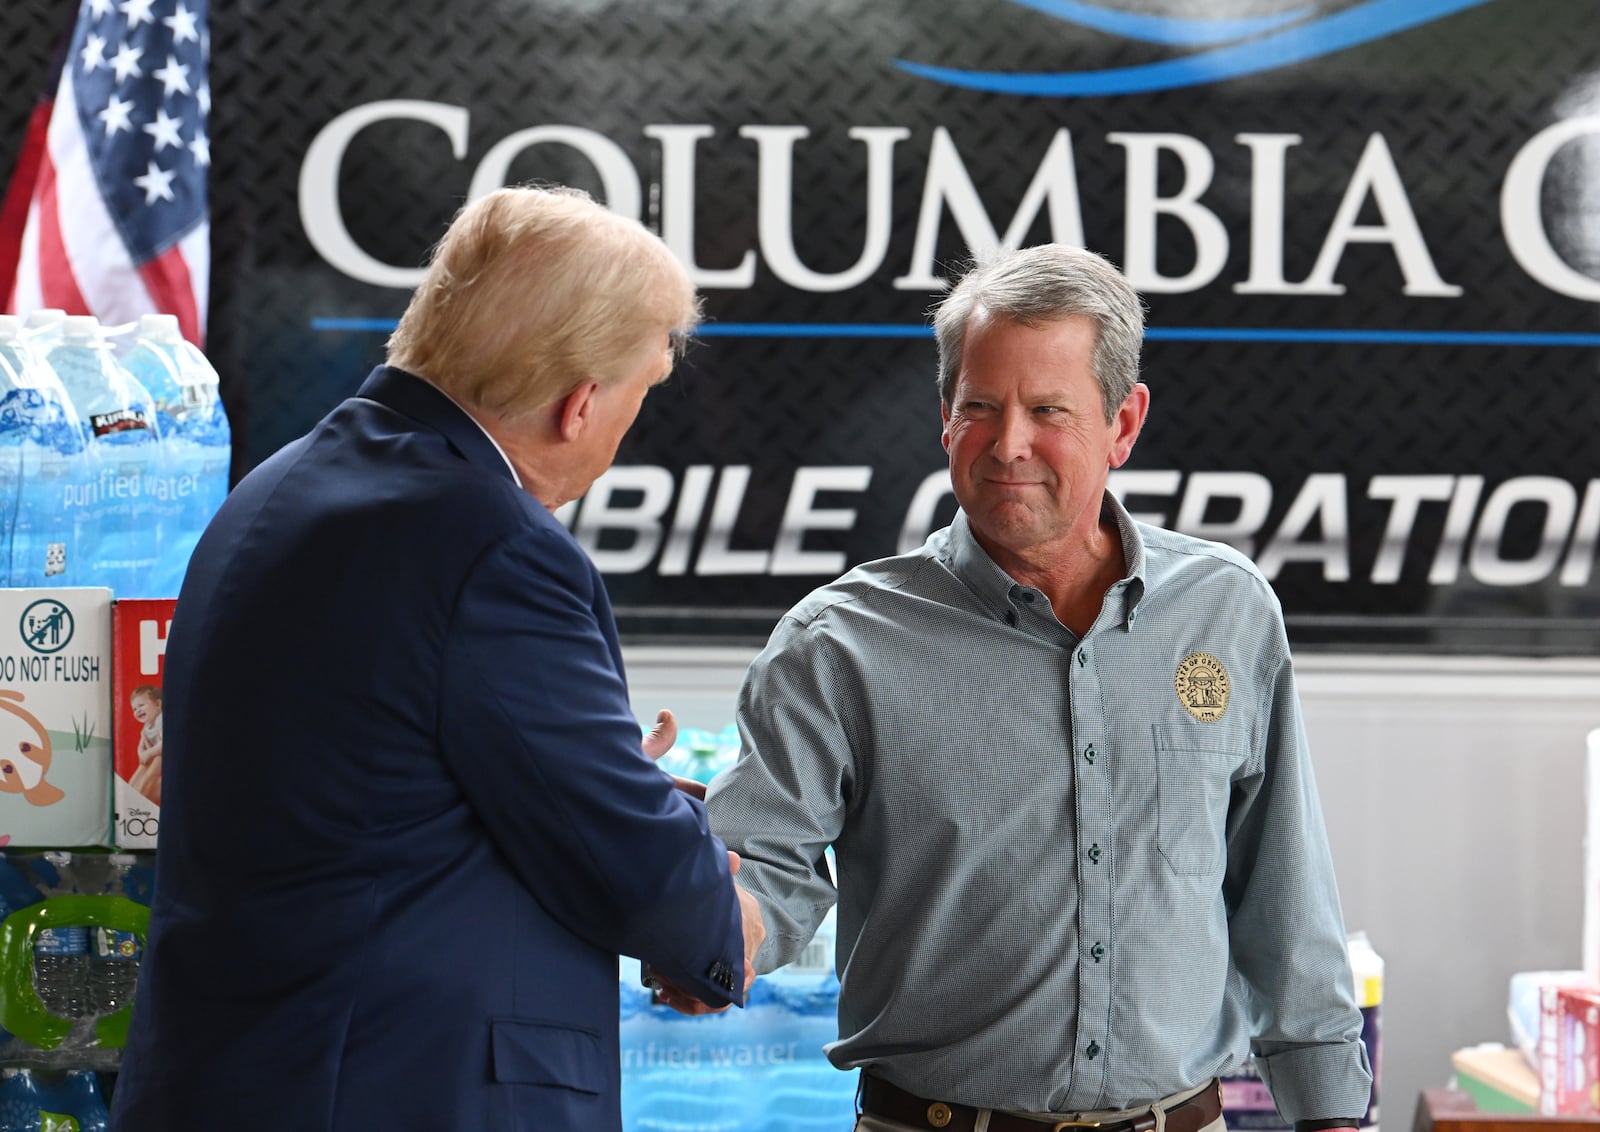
(657, 742)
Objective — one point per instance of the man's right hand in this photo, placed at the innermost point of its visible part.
(670, 994)
(755, 928)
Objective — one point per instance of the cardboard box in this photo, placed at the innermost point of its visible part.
(1591, 863)
(139, 633)
(1525, 1003)
(1569, 1051)
(1497, 1077)
(55, 717)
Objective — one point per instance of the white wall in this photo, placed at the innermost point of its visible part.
(1453, 790)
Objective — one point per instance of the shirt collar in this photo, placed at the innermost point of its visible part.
(512, 468)
(968, 561)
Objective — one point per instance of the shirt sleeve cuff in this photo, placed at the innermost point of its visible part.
(1308, 1082)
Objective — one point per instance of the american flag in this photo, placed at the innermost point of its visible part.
(113, 173)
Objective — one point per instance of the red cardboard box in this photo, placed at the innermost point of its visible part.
(1569, 1050)
(139, 649)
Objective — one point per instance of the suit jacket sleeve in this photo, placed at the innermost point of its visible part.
(536, 725)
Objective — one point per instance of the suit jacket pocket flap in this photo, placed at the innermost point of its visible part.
(547, 1053)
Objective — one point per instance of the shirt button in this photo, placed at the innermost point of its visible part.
(1090, 754)
(1083, 657)
(1133, 615)
(1098, 951)
(1093, 853)
(1094, 1049)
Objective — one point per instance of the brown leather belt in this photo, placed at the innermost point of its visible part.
(879, 1098)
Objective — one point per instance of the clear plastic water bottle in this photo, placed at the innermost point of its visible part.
(114, 955)
(113, 969)
(194, 435)
(44, 462)
(16, 417)
(120, 537)
(19, 1101)
(61, 970)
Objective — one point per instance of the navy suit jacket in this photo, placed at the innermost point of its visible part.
(407, 827)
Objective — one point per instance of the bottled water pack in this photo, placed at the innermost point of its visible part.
(109, 469)
(43, 460)
(118, 524)
(195, 440)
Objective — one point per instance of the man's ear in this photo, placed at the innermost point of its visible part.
(576, 411)
(1130, 419)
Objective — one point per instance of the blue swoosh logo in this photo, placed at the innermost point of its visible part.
(1167, 30)
(1269, 49)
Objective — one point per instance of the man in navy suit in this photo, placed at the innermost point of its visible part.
(407, 825)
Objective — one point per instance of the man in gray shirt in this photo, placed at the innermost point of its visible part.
(1059, 754)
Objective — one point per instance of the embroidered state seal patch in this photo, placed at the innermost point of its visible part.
(1202, 686)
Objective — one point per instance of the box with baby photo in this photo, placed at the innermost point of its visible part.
(55, 717)
(139, 636)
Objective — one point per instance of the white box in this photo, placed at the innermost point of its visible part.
(55, 717)
(1591, 863)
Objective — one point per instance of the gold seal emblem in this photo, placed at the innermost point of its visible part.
(1202, 686)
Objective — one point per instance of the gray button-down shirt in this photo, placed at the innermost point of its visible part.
(1073, 874)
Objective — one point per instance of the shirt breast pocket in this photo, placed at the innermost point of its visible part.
(1193, 784)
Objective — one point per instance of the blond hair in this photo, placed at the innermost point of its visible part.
(534, 291)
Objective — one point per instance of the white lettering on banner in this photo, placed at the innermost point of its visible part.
(801, 515)
(716, 557)
(1560, 503)
(1376, 176)
(691, 503)
(319, 185)
(641, 521)
(1406, 494)
(933, 491)
(775, 146)
(947, 186)
(600, 512)
(619, 180)
(1580, 556)
(639, 515)
(1457, 523)
(1321, 501)
(1267, 166)
(1254, 494)
(1132, 481)
(1522, 217)
(152, 646)
(1145, 207)
(677, 208)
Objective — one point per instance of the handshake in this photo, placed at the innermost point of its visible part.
(657, 742)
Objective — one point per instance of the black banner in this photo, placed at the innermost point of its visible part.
(1368, 233)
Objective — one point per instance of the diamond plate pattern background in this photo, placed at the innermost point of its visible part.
(1454, 100)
